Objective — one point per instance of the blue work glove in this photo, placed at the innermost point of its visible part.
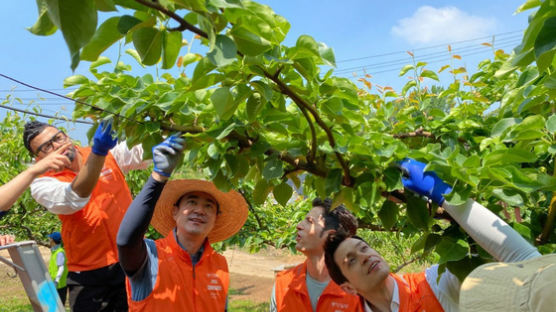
(167, 154)
(423, 183)
(103, 140)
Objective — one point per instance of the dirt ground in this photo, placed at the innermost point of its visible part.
(251, 275)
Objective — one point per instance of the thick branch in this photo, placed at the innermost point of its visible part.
(313, 152)
(184, 25)
(301, 103)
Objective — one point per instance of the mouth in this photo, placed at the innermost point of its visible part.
(297, 237)
(373, 266)
(197, 220)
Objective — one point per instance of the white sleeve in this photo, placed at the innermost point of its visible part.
(60, 261)
(490, 232)
(446, 289)
(129, 159)
(56, 196)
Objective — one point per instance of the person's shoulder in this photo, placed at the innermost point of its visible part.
(289, 272)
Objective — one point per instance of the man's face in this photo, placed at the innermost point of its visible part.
(363, 267)
(196, 214)
(48, 141)
(310, 236)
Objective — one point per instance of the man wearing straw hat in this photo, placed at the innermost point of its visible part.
(180, 272)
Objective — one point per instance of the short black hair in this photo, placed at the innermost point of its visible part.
(339, 218)
(31, 130)
(332, 242)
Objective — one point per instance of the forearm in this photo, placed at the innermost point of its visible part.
(131, 248)
(11, 191)
(59, 273)
(88, 175)
(491, 233)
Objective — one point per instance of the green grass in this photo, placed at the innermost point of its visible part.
(15, 305)
(247, 306)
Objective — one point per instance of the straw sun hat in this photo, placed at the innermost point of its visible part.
(528, 285)
(233, 208)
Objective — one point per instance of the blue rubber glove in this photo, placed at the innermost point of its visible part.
(103, 140)
(167, 154)
(423, 183)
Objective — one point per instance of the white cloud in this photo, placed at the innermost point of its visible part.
(432, 25)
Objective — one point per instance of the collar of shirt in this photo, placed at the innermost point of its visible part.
(394, 304)
(53, 248)
(197, 256)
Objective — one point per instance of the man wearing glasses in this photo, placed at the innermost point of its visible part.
(90, 196)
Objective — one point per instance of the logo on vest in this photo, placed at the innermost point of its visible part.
(106, 174)
(339, 307)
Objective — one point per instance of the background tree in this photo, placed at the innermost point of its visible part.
(258, 114)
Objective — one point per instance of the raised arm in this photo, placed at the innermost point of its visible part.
(132, 250)
(487, 229)
(88, 175)
(10, 191)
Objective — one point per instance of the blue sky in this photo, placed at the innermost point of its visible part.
(357, 30)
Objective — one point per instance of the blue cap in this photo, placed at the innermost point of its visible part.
(56, 237)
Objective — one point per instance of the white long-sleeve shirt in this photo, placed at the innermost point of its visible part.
(489, 231)
(59, 198)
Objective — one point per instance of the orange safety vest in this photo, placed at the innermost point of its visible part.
(292, 295)
(416, 294)
(89, 235)
(180, 286)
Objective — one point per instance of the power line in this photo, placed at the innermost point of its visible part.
(469, 48)
(73, 100)
(45, 116)
(429, 47)
(429, 61)
(30, 90)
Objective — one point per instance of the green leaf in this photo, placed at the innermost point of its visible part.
(512, 200)
(171, 45)
(551, 124)
(43, 26)
(405, 69)
(224, 51)
(450, 249)
(458, 196)
(418, 213)
(249, 43)
(254, 106)
(546, 39)
(100, 61)
(127, 22)
(192, 5)
(327, 55)
(410, 84)
(106, 35)
(388, 214)
(273, 169)
(133, 53)
(502, 125)
(508, 156)
(282, 193)
(148, 43)
(260, 193)
(333, 180)
(190, 58)
(529, 4)
(429, 74)
(523, 231)
(75, 80)
(392, 179)
(105, 5)
(461, 268)
(77, 19)
(224, 103)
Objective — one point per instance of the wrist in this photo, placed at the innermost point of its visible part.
(159, 177)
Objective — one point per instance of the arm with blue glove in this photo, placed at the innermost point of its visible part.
(88, 175)
(132, 250)
(487, 229)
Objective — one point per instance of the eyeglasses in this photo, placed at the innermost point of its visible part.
(48, 146)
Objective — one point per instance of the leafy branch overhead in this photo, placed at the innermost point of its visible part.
(265, 117)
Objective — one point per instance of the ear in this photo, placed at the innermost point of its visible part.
(175, 210)
(348, 288)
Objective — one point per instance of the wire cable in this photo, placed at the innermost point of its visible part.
(45, 116)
